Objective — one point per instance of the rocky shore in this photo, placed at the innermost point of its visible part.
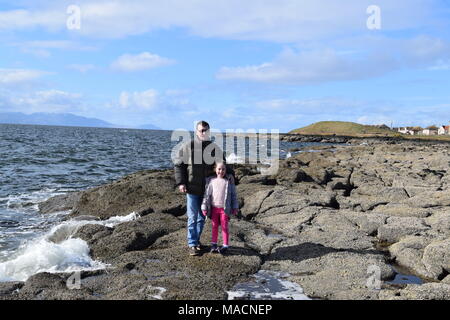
(330, 220)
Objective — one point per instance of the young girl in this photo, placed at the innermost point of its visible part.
(219, 202)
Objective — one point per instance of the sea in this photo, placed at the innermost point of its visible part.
(38, 162)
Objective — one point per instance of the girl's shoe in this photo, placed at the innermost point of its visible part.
(214, 248)
(223, 250)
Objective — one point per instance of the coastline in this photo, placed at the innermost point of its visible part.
(323, 220)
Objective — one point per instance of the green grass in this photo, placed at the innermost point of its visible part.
(341, 128)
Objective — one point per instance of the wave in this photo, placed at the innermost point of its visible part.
(56, 251)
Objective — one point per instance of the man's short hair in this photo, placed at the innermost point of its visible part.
(203, 124)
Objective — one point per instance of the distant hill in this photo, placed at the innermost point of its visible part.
(148, 127)
(60, 119)
(342, 128)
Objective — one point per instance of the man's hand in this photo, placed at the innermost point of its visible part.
(205, 213)
(182, 188)
(234, 212)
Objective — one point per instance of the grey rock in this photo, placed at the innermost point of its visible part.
(428, 291)
(397, 227)
(402, 210)
(325, 272)
(436, 258)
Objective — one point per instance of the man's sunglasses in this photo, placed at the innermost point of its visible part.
(203, 130)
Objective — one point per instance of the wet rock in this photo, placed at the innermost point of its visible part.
(91, 233)
(142, 192)
(10, 288)
(59, 203)
(48, 286)
(129, 236)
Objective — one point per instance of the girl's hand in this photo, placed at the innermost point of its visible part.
(234, 212)
(205, 213)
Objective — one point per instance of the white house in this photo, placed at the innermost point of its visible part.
(429, 132)
(444, 130)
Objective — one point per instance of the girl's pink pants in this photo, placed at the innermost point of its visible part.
(219, 217)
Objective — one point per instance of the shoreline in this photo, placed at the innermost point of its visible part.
(333, 138)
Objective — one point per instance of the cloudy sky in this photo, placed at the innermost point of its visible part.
(272, 64)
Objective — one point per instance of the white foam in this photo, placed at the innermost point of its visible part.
(23, 200)
(56, 251)
(268, 285)
(44, 256)
(233, 158)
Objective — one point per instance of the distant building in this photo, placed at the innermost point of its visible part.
(403, 130)
(430, 131)
(410, 130)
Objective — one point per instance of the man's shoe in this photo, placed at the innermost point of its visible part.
(193, 251)
(199, 247)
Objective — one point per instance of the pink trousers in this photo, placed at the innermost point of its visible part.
(219, 217)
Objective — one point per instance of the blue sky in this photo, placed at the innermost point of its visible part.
(258, 64)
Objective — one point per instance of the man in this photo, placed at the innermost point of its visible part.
(192, 165)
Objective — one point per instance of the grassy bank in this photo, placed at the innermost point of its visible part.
(351, 129)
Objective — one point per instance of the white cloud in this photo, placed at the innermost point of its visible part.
(42, 101)
(16, 76)
(83, 68)
(49, 18)
(310, 67)
(146, 100)
(42, 48)
(323, 65)
(139, 62)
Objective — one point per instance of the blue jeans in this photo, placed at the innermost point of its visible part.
(196, 220)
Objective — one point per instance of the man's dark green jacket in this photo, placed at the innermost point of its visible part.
(192, 167)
